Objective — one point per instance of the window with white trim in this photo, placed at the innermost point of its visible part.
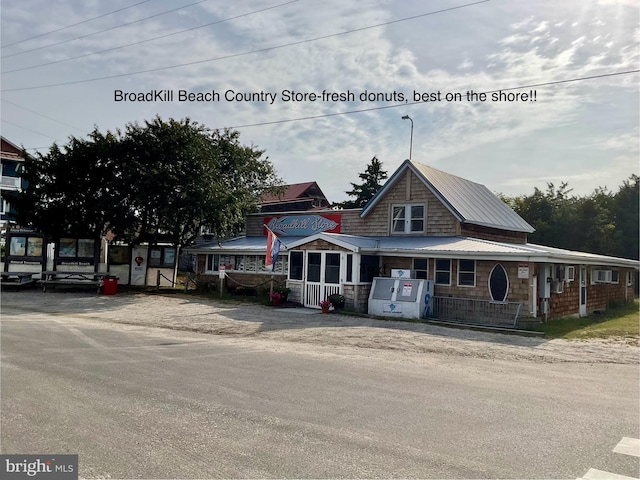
(349, 267)
(297, 265)
(421, 268)
(498, 283)
(570, 273)
(443, 271)
(601, 276)
(407, 218)
(213, 263)
(244, 263)
(615, 276)
(629, 278)
(466, 273)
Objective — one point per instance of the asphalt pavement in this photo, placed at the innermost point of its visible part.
(138, 401)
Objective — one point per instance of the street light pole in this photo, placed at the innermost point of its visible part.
(407, 117)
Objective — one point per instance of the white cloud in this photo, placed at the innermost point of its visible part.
(481, 48)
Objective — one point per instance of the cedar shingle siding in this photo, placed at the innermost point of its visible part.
(500, 238)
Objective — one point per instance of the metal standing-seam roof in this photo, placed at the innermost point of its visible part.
(468, 201)
(462, 247)
(434, 247)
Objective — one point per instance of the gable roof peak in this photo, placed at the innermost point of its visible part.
(469, 202)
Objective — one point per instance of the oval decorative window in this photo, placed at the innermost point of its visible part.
(498, 283)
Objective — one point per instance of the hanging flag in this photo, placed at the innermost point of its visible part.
(273, 249)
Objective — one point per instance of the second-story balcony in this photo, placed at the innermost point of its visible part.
(10, 183)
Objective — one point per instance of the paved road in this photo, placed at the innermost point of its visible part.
(142, 402)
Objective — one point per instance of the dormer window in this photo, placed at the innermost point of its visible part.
(407, 218)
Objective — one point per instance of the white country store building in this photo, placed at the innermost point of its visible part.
(440, 227)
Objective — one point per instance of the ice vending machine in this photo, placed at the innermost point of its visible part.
(401, 297)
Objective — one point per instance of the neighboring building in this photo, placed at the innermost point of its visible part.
(10, 160)
(298, 197)
(438, 226)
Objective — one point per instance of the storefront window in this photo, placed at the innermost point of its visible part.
(369, 267)
(213, 262)
(420, 266)
(119, 255)
(467, 273)
(18, 246)
(162, 257)
(443, 271)
(67, 247)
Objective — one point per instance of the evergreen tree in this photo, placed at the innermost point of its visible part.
(372, 179)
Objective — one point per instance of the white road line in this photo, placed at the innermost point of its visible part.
(594, 474)
(628, 446)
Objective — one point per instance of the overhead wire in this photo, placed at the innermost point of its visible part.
(260, 50)
(152, 39)
(28, 129)
(349, 112)
(104, 30)
(41, 115)
(385, 107)
(73, 24)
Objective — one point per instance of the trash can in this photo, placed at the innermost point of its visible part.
(110, 286)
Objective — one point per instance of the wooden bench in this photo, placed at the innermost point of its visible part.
(75, 278)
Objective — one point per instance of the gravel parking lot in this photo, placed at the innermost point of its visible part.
(248, 322)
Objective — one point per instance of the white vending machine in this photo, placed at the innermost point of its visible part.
(401, 297)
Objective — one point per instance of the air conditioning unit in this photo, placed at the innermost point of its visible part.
(557, 286)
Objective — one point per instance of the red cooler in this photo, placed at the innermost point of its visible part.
(110, 286)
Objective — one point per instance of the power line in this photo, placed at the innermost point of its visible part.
(74, 24)
(41, 115)
(28, 129)
(313, 117)
(151, 39)
(102, 31)
(261, 50)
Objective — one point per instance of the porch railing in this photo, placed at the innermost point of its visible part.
(469, 310)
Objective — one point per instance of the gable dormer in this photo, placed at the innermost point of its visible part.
(422, 201)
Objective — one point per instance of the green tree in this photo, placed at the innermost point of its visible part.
(603, 222)
(372, 179)
(544, 211)
(73, 190)
(162, 178)
(626, 210)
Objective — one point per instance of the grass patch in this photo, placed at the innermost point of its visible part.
(621, 321)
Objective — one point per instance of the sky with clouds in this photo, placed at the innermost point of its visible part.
(63, 61)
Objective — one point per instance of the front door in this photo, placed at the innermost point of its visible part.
(583, 291)
(322, 277)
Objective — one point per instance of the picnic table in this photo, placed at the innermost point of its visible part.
(17, 279)
(60, 277)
